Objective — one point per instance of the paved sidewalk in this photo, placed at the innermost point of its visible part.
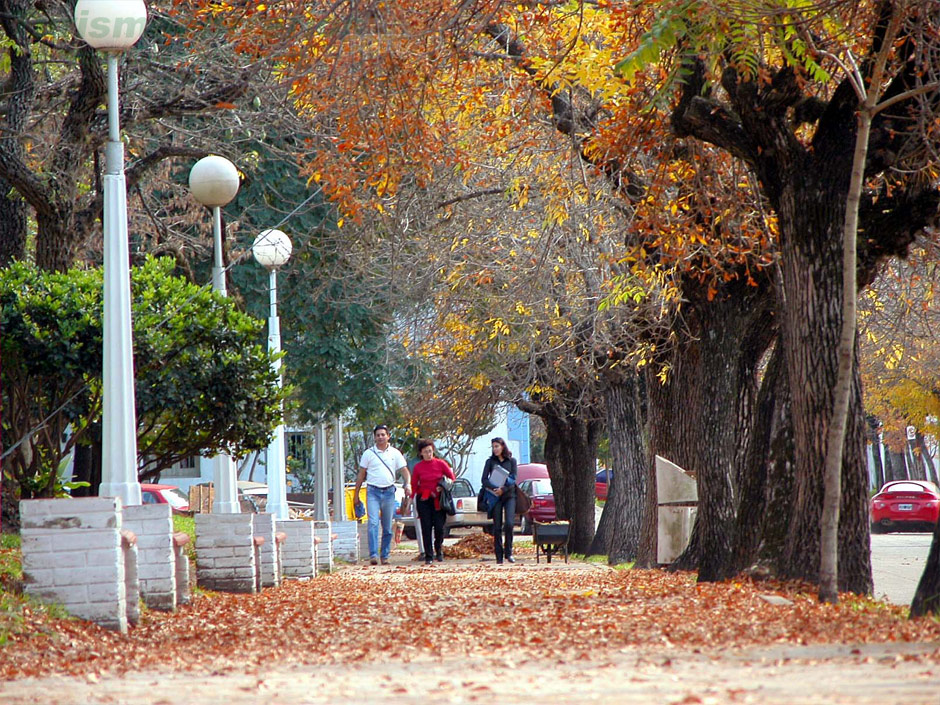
(829, 675)
(897, 564)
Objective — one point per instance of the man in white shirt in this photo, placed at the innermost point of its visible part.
(379, 466)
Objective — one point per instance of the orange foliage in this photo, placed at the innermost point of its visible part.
(561, 613)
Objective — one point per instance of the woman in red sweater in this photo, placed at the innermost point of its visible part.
(424, 489)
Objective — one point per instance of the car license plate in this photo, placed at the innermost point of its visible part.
(905, 507)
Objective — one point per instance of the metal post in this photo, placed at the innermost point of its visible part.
(339, 472)
(276, 471)
(119, 417)
(224, 469)
(322, 478)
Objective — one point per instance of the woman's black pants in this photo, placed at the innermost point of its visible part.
(504, 513)
(431, 517)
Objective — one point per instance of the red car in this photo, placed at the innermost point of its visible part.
(165, 494)
(905, 504)
(543, 502)
(601, 480)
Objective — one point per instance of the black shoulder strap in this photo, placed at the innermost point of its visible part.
(382, 460)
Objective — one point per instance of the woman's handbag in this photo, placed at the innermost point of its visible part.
(446, 497)
(523, 502)
(485, 500)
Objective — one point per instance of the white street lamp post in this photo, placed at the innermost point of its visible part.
(214, 181)
(272, 249)
(113, 26)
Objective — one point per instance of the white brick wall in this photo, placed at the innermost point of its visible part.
(72, 555)
(156, 562)
(298, 554)
(132, 582)
(346, 545)
(269, 574)
(323, 530)
(225, 554)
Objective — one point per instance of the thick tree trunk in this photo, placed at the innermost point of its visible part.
(622, 520)
(927, 597)
(695, 418)
(811, 267)
(12, 225)
(18, 93)
(754, 494)
(571, 455)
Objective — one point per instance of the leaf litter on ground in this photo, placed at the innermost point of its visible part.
(413, 612)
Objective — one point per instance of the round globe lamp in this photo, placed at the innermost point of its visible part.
(213, 181)
(110, 25)
(272, 249)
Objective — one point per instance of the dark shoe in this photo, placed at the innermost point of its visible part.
(439, 557)
(429, 562)
(385, 561)
(499, 561)
(510, 559)
(374, 560)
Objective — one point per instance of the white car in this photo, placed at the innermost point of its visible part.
(465, 500)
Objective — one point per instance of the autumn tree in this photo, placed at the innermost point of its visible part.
(383, 133)
(795, 126)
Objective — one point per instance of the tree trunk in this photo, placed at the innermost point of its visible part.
(927, 597)
(18, 94)
(571, 455)
(811, 267)
(56, 248)
(622, 520)
(12, 225)
(695, 417)
(754, 494)
(876, 451)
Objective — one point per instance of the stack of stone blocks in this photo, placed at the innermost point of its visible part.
(162, 565)
(268, 553)
(323, 531)
(299, 551)
(226, 553)
(346, 543)
(75, 553)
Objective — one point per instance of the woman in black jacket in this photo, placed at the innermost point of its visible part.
(499, 479)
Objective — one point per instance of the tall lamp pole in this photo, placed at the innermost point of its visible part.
(112, 26)
(214, 181)
(272, 249)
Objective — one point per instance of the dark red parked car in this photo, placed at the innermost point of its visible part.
(543, 502)
(601, 480)
(913, 504)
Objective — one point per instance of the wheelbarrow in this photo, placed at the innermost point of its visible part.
(549, 539)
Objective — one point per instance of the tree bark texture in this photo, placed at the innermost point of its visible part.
(807, 186)
(622, 520)
(927, 596)
(695, 418)
(811, 212)
(753, 487)
(571, 454)
(17, 96)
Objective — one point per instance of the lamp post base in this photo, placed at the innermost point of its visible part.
(224, 479)
(129, 492)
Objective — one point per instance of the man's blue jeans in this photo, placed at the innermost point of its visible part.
(380, 501)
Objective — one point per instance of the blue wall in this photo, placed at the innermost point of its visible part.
(517, 424)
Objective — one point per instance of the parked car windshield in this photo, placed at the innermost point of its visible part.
(541, 487)
(462, 488)
(176, 498)
(906, 487)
